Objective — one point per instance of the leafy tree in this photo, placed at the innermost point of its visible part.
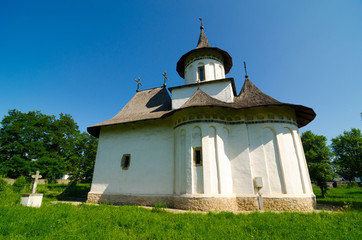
(83, 162)
(54, 146)
(347, 148)
(318, 157)
(50, 168)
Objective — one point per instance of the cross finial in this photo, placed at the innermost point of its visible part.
(246, 73)
(202, 25)
(164, 79)
(138, 81)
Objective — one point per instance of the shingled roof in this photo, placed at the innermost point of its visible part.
(145, 105)
(250, 96)
(203, 42)
(156, 103)
(201, 99)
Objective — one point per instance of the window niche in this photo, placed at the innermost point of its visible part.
(201, 73)
(197, 156)
(126, 161)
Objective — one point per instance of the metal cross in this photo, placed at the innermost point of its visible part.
(202, 25)
(36, 176)
(138, 81)
(246, 73)
(164, 78)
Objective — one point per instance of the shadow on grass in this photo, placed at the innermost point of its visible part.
(74, 192)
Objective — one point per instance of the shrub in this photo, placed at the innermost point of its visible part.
(3, 184)
(19, 184)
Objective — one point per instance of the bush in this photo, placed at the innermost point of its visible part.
(3, 184)
(19, 184)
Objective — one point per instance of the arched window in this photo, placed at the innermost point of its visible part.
(201, 72)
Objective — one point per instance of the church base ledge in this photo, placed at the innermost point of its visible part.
(237, 203)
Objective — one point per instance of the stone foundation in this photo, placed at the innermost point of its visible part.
(205, 203)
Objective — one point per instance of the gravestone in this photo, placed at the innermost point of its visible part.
(32, 199)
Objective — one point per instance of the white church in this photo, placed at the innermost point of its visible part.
(204, 145)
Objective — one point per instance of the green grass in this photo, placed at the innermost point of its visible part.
(62, 192)
(65, 221)
(343, 197)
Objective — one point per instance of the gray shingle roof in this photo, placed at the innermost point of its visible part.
(145, 105)
(156, 103)
(201, 99)
(250, 96)
(203, 42)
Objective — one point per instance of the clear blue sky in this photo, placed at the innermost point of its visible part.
(81, 57)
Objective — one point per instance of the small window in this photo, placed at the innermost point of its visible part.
(125, 162)
(201, 73)
(198, 156)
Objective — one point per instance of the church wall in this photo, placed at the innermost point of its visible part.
(221, 90)
(240, 159)
(289, 160)
(257, 156)
(225, 176)
(214, 69)
(265, 144)
(151, 167)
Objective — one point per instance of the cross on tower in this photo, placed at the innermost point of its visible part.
(246, 73)
(138, 81)
(36, 176)
(202, 25)
(164, 78)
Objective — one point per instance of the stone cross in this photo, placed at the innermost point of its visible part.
(138, 81)
(164, 78)
(36, 176)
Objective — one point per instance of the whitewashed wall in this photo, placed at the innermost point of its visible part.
(234, 154)
(214, 69)
(151, 168)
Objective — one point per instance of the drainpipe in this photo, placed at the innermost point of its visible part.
(258, 181)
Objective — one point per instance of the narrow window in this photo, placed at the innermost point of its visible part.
(198, 156)
(201, 73)
(125, 162)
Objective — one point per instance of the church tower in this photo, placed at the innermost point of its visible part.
(204, 63)
(204, 68)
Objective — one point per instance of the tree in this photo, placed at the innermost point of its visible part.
(54, 146)
(347, 148)
(318, 157)
(83, 162)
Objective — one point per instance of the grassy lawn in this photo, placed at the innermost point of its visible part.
(342, 197)
(65, 221)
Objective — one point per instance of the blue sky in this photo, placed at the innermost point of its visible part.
(81, 57)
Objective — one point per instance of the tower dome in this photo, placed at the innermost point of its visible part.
(204, 63)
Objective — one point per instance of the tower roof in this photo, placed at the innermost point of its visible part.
(203, 48)
(203, 42)
(250, 96)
